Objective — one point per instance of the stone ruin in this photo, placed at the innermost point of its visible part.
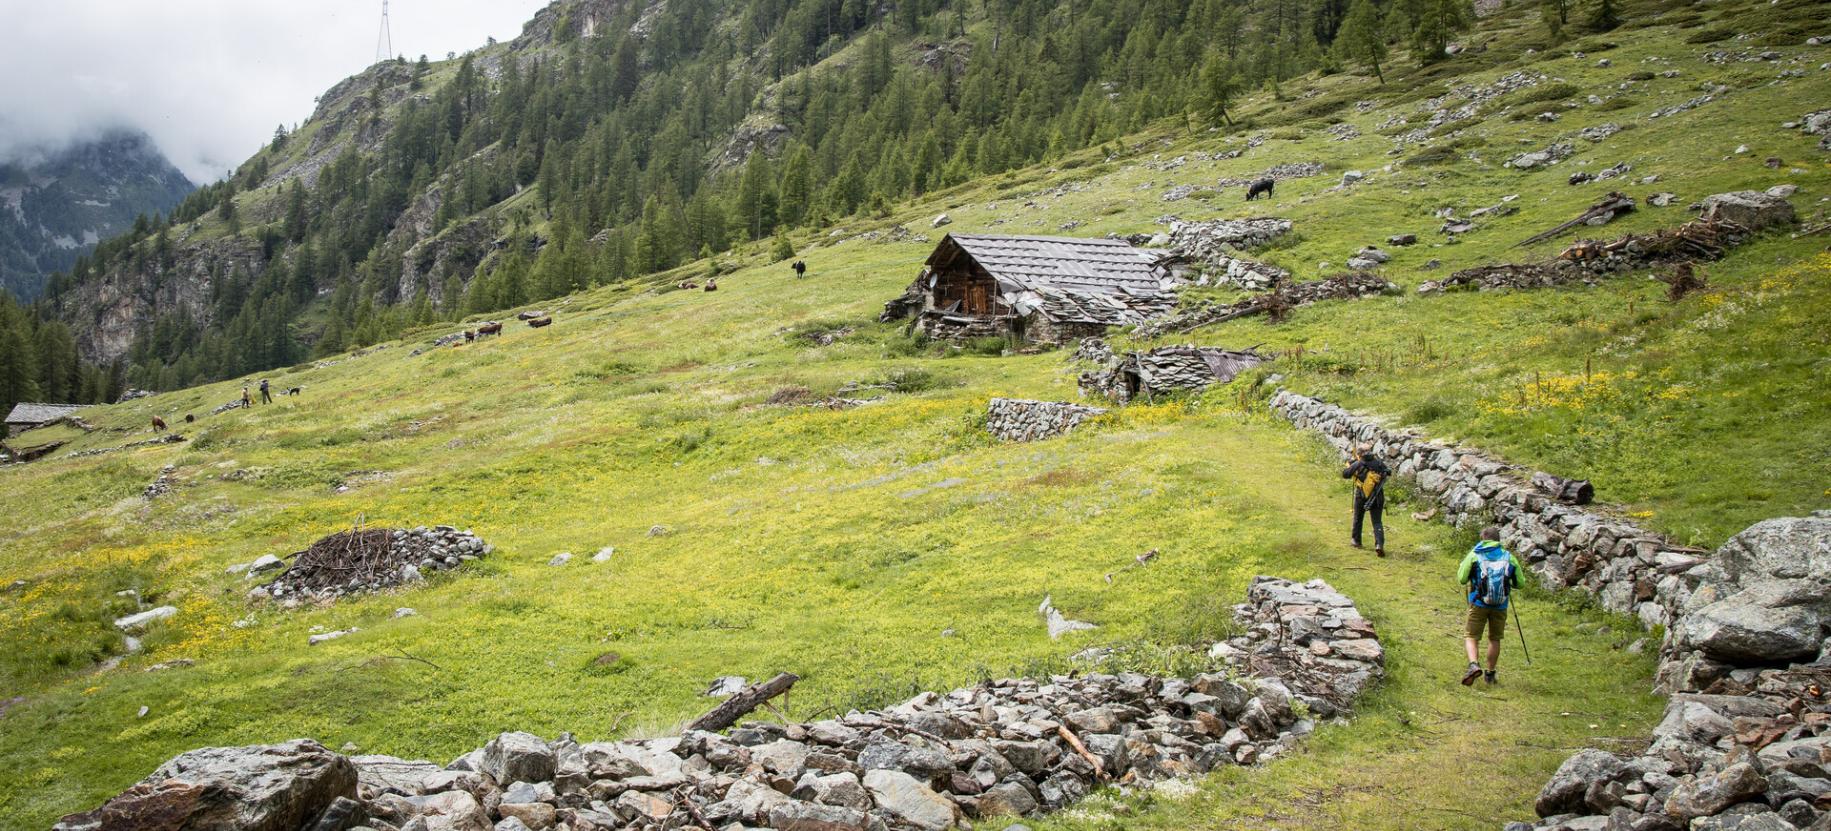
(1729, 220)
(937, 761)
(1349, 286)
(1746, 739)
(1163, 370)
(1019, 419)
(368, 560)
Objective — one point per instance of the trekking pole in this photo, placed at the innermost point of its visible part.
(1522, 634)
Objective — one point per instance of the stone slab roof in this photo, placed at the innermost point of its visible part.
(40, 413)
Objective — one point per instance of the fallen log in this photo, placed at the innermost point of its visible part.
(1573, 491)
(740, 705)
(1611, 206)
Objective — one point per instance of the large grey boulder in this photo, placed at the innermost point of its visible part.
(1787, 548)
(518, 757)
(1709, 794)
(901, 796)
(1564, 793)
(1772, 622)
(1750, 209)
(261, 788)
(806, 816)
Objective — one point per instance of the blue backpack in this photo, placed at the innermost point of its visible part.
(1492, 580)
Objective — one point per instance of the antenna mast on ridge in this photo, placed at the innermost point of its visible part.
(384, 44)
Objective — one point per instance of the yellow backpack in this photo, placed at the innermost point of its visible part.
(1368, 482)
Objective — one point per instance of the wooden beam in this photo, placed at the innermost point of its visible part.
(740, 705)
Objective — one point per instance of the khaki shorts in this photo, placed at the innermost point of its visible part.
(1480, 617)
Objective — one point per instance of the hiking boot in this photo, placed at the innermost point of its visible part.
(1488, 677)
(1379, 551)
(1355, 543)
(1468, 678)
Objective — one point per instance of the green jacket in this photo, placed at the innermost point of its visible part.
(1487, 549)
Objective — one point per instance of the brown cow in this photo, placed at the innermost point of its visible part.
(190, 418)
(711, 284)
(158, 424)
(539, 322)
(490, 328)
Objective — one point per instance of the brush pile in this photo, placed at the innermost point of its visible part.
(370, 559)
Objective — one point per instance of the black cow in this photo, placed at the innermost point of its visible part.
(1262, 186)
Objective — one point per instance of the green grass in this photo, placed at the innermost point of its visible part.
(841, 544)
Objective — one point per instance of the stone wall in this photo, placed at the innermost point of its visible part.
(1018, 419)
(1746, 739)
(937, 761)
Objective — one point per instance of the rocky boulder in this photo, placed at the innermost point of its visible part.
(1750, 209)
(1772, 622)
(518, 757)
(1564, 793)
(1787, 548)
(260, 788)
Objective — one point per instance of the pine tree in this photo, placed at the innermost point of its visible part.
(797, 185)
(1219, 85)
(1605, 17)
(1361, 38)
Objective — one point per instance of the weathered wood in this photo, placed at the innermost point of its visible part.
(1611, 206)
(1574, 491)
(740, 705)
(1075, 742)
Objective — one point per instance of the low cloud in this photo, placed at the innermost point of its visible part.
(207, 79)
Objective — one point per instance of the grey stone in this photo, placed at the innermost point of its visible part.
(1709, 794)
(807, 816)
(1565, 792)
(901, 796)
(518, 757)
(260, 788)
(1750, 209)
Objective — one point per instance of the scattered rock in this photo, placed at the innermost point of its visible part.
(140, 620)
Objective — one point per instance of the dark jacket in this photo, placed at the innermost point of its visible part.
(1360, 470)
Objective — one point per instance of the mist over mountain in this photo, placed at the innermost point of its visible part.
(55, 206)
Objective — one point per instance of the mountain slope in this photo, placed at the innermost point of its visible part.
(56, 209)
(613, 140)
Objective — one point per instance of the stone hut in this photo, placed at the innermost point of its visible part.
(27, 416)
(1042, 290)
(1167, 369)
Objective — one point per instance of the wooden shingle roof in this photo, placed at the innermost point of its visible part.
(1078, 265)
(40, 413)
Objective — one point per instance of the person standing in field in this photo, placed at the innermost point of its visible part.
(246, 401)
(1491, 573)
(266, 392)
(1369, 474)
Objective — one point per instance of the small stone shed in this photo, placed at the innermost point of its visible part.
(28, 416)
(1043, 290)
(1170, 368)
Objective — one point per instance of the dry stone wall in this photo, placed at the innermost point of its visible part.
(937, 761)
(1018, 419)
(1746, 739)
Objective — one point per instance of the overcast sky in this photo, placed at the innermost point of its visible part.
(207, 79)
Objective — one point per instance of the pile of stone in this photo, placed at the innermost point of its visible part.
(1600, 132)
(168, 438)
(937, 761)
(1746, 739)
(1239, 272)
(1204, 241)
(231, 405)
(368, 560)
(1350, 286)
(1018, 419)
(1541, 158)
(1675, 109)
(1165, 370)
(1729, 220)
(1816, 124)
(161, 484)
(1368, 258)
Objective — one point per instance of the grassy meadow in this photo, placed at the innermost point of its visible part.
(894, 547)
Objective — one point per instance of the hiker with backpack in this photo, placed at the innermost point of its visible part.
(1491, 574)
(1369, 476)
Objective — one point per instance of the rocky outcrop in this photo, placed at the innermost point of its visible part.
(106, 311)
(280, 787)
(368, 560)
(1018, 419)
(936, 761)
(1746, 739)
(1751, 209)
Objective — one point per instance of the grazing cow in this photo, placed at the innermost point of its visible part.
(190, 418)
(711, 284)
(158, 424)
(539, 322)
(1262, 186)
(687, 284)
(470, 335)
(800, 268)
(490, 328)
(294, 391)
